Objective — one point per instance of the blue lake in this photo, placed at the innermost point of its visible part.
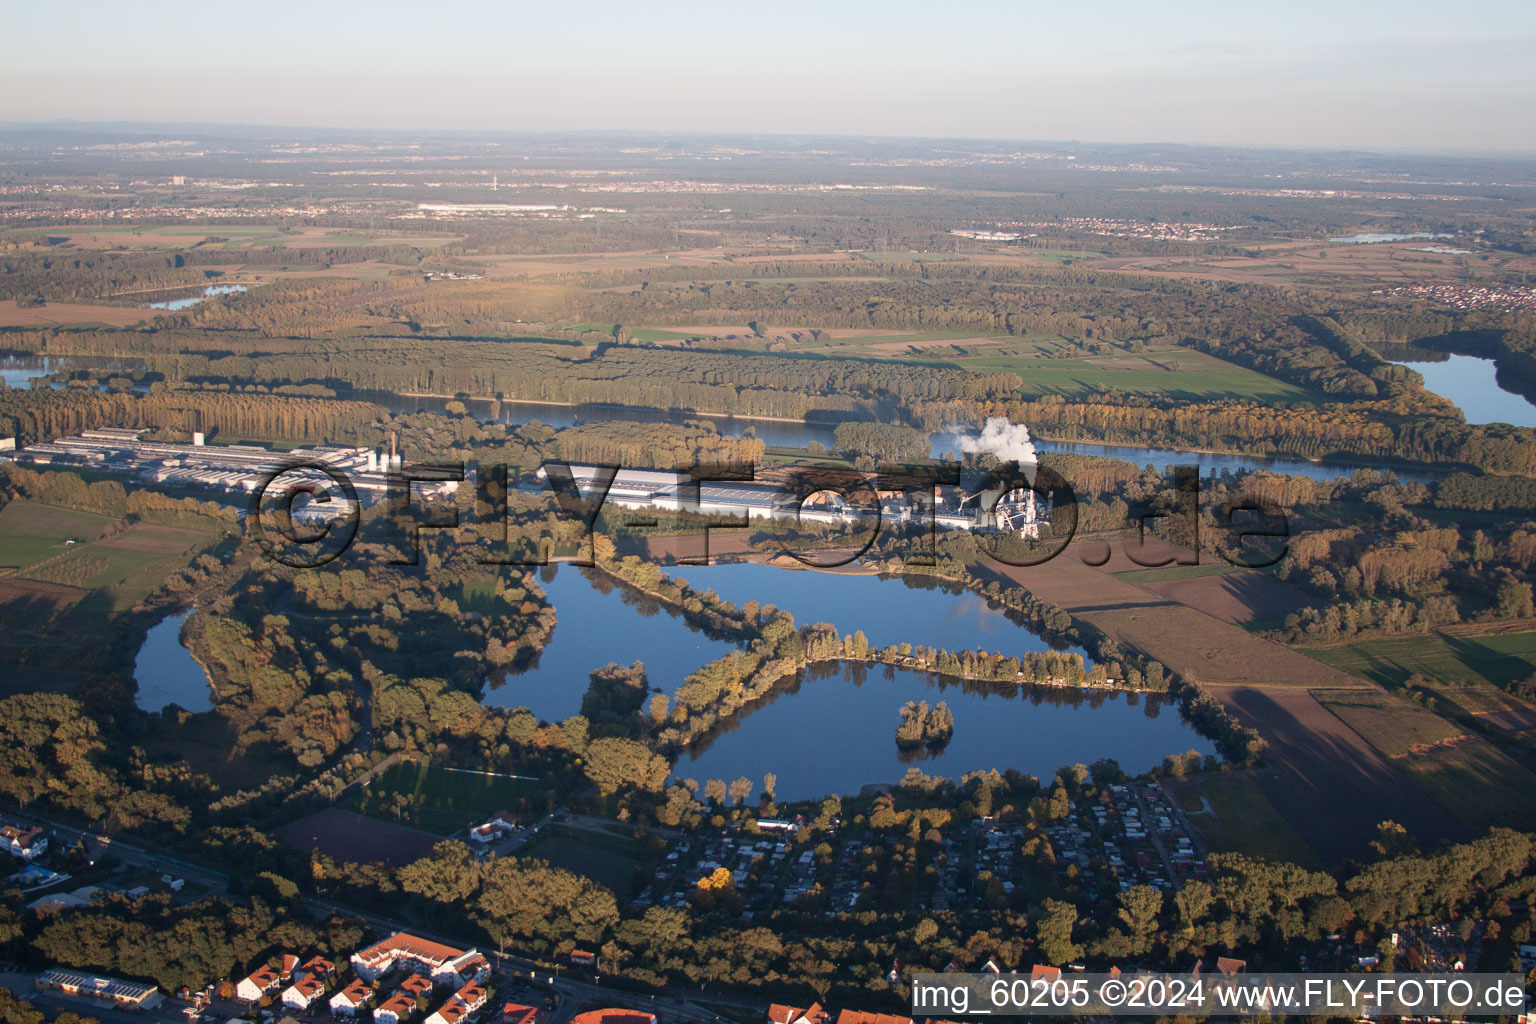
(834, 731)
(887, 609)
(187, 302)
(600, 622)
(1471, 382)
(166, 672)
(1367, 237)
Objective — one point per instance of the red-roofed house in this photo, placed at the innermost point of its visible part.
(316, 967)
(416, 986)
(261, 982)
(395, 1009)
(1228, 966)
(459, 1005)
(350, 1000)
(1044, 971)
(303, 992)
(24, 843)
(496, 826)
(614, 1017)
(780, 1014)
(443, 963)
(864, 1017)
(517, 1013)
(290, 963)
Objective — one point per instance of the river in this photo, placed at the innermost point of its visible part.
(797, 435)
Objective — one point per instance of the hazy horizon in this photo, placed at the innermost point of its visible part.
(1308, 76)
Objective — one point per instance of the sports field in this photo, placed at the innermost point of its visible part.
(609, 860)
(440, 800)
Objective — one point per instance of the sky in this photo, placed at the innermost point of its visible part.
(1368, 75)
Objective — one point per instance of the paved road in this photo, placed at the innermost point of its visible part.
(679, 1005)
(24, 985)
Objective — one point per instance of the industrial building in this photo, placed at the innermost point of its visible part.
(241, 469)
(1016, 512)
(129, 995)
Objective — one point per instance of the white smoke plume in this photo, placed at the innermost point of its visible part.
(1008, 441)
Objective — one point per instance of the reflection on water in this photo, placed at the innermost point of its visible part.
(1472, 383)
(1366, 237)
(890, 610)
(187, 302)
(798, 435)
(833, 730)
(600, 622)
(167, 673)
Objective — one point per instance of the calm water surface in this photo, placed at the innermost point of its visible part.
(798, 435)
(190, 301)
(834, 731)
(167, 673)
(1472, 384)
(887, 609)
(600, 622)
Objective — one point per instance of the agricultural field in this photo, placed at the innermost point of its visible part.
(1351, 267)
(31, 532)
(1326, 780)
(52, 314)
(1233, 815)
(1446, 658)
(1388, 723)
(127, 565)
(440, 800)
(1178, 572)
(1477, 782)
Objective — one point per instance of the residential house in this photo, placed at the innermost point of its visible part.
(263, 981)
(398, 1007)
(517, 1013)
(864, 1017)
(304, 992)
(24, 843)
(351, 1000)
(614, 1016)
(780, 1014)
(416, 986)
(315, 967)
(444, 964)
(459, 1005)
